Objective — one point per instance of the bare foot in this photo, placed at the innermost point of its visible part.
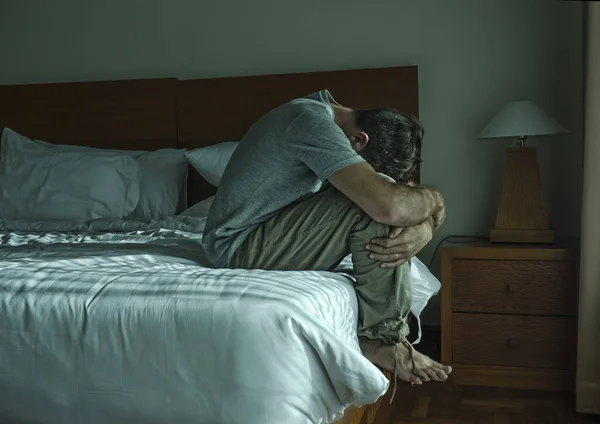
(426, 369)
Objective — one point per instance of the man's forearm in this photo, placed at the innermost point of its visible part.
(396, 205)
(431, 223)
(413, 205)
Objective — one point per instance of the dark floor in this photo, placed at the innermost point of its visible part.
(448, 404)
(445, 403)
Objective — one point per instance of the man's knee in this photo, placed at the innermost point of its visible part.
(364, 223)
(367, 229)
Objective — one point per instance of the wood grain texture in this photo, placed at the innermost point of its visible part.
(513, 377)
(352, 415)
(522, 205)
(522, 236)
(497, 337)
(222, 109)
(513, 340)
(566, 250)
(446, 304)
(531, 287)
(128, 114)
(457, 404)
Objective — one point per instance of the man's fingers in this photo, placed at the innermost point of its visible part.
(394, 257)
(391, 242)
(383, 241)
(375, 248)
(395, 232)
(402, 249)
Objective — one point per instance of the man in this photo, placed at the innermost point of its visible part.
(303, 190)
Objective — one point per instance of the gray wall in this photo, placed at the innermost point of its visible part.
(473, 56)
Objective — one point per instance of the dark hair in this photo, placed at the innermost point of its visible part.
(394, 146)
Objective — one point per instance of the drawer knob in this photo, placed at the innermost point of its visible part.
(510, 342)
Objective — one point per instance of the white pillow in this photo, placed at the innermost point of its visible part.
(68, 186)
(210, 161)
(200, 209)
(424, 286)
(163, 187)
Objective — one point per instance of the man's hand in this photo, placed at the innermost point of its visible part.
(439, 217)
(401, 244)
(396, 205)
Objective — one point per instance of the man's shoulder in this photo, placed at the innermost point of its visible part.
(310, 105)
(309, 112)
(315, 102)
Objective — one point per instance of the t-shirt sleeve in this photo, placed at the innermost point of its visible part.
(318, 142)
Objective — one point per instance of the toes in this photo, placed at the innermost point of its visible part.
(432, 374)
(446, 368)
(423, 375)
(442, 376)
(416, 380)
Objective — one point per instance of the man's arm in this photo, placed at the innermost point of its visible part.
(437, 219)
(397, 205)
(431, 222)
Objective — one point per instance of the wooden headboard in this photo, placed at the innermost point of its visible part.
(129, 115)
(169, 113)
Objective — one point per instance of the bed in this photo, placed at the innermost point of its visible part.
(123, 320)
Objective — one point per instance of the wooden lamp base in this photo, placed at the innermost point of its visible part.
(522, 236)
(522, 216)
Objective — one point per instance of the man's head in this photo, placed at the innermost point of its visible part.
(389, 140)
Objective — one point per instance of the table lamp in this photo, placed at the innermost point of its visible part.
(522, 215)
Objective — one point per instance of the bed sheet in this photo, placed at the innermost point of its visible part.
(123, 321)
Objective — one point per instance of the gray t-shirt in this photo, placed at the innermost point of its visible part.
(285, 157)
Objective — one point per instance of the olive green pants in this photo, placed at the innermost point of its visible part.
(316, 234)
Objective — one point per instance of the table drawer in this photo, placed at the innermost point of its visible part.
(513, 340)
(514, 286)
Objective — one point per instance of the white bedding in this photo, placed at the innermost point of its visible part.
(119, 322)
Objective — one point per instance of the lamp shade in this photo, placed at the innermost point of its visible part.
(522, 118)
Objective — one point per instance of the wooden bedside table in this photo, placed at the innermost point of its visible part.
(509, 315)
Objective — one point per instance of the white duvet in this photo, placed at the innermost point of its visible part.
(120, 322)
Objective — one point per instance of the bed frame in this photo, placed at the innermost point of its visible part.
(153, 114)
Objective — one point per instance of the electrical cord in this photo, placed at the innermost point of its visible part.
(461, 239)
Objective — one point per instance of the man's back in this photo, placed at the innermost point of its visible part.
(283, 158)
